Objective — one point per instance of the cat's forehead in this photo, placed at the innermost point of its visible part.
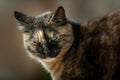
(47, 21)
(45, 17)
(45, 14)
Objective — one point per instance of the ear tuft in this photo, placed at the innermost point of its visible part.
(59, 16)
(18, 14)
(60, 11)
(24, 22)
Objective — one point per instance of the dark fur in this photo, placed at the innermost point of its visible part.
(91, 59)
(94, 53)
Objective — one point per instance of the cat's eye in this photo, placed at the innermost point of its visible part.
(56, 38)
(63, 38)
(34, 42)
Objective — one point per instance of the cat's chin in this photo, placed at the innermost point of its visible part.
(54, 53)
(48, 59)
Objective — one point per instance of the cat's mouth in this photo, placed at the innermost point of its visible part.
(48, 53)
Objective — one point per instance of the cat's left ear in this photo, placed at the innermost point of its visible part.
(25, 22)
(59, 16)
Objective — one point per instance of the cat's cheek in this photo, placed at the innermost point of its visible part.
(64, 41)
(30, 47)
(61, 44)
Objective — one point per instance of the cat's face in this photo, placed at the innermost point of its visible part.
(47, 35)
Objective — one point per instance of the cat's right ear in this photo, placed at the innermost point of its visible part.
(59, 16)
(24, 22)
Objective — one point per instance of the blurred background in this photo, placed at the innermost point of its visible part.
(14, 63)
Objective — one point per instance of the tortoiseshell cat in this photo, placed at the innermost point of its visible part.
(71, 51)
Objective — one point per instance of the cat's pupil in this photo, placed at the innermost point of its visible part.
(34, 41)
(55, 39)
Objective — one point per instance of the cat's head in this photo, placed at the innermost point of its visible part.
(46, 36)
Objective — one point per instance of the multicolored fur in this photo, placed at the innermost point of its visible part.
(71, 51)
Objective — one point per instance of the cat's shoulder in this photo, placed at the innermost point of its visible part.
(109, 20)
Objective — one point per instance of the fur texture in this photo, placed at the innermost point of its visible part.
(71, 51)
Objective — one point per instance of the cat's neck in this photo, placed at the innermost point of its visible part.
(72, 56)
(56, 65)
(78, 36)
(55, 68)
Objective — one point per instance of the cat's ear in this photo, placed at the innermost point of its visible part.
(59, 16)
(24, 22)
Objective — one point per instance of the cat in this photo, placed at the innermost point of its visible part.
(73, 51)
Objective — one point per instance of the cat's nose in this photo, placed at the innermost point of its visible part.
(47, 51)
(56, 51)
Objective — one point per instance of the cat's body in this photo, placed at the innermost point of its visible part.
(70, 51)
